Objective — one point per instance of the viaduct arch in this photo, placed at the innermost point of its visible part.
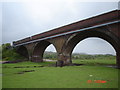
(72, 42)
(105, 26)
(38, 51)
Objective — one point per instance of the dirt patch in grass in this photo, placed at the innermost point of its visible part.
(22, 72)
(23, 67)
(73, 64)
(28, 66)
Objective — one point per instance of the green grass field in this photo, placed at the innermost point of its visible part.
(96, 61)
(18, 76)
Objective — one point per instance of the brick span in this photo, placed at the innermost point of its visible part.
(93, 21)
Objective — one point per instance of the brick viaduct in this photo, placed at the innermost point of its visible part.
(65, 38)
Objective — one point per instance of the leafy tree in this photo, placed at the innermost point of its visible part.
(9, 53)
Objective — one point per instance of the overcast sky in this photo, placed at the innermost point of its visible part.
(24, 19)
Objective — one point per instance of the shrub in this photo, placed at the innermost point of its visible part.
(9, 53)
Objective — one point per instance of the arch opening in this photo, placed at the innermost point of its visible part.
(94, 45)
(39, 51)
(50, 53)
(94, 50)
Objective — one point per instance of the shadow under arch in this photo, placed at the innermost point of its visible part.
(105, 35)
(39, 49)
(22, 50)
